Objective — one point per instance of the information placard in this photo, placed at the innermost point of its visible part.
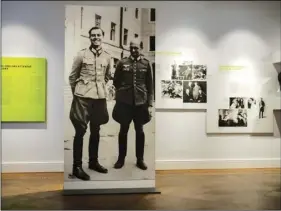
(23, 89)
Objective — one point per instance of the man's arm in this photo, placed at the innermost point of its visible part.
(75, 71)
(108, 71)
(116, 79)
(149, 85)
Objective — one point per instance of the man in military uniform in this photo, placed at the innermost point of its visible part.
(134, 99)
(88, 78)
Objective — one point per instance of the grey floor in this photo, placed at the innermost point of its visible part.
(108, 150)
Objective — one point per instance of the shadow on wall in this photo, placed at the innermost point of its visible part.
(242, 27)
(239, 14)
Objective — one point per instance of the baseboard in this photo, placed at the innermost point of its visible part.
(218, 163)
(10, 167)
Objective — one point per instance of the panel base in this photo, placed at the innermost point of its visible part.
(111, 191)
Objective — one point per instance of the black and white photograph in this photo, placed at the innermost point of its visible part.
(199, 72)
(185, 71)
(188, 71)
(194, 92)
(181, 71)
(252, 103)
(258, 106)
(238, 103)
(232, 118)
(109, 93)
(171, 89)
(262, 108)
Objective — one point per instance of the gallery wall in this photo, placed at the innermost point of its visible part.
(213, 33)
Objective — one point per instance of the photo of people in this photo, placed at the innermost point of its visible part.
(185, 72)
(174, 72)
(232, 117)
(109, 93)
(256, 106)
(238, 103)
(262, 108)
(171, 89)
(199, 72)
(252, 103)
(188, 71)
(194, 92)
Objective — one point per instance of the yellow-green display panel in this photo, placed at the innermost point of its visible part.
(23, 89)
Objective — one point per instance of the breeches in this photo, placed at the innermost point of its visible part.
(124, 114)
(84, 111)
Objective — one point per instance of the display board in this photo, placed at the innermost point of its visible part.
(180, 83)
(239, 104)
(96, 128)
(23, 89)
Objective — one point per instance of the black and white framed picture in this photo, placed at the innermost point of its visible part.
(262, 108)
(194, 91)
(171, 89)
(258, 106)
(199, 72)
(184, 87)
(109, 107)
(252, 103)
(184, 71)
(238, 103)
(232, 118)
(188, 71)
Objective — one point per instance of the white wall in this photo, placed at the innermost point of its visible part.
(37, 29)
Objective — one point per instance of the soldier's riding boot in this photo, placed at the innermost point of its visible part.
(122, 145)
(93, 152)
(79, 173)
(140, 140)
(77, 170)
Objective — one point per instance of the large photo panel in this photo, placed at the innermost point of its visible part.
(109, 138)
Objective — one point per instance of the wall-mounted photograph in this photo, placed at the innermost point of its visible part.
(232, 118)
(194, 92)
(252, 103)
(199, 72)
(262, 108)
(238, 103)
(171, 89)
(258, 106)
(188, 71)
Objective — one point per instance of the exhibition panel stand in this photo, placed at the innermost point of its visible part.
(109, 101)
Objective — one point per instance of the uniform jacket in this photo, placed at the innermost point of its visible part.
(195, 91)
(133, 81)
(90, 73)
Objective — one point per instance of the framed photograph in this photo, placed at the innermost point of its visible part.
(232, 118)
(171, 89)
(194, 92)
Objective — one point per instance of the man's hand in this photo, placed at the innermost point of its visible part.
(150, 110)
